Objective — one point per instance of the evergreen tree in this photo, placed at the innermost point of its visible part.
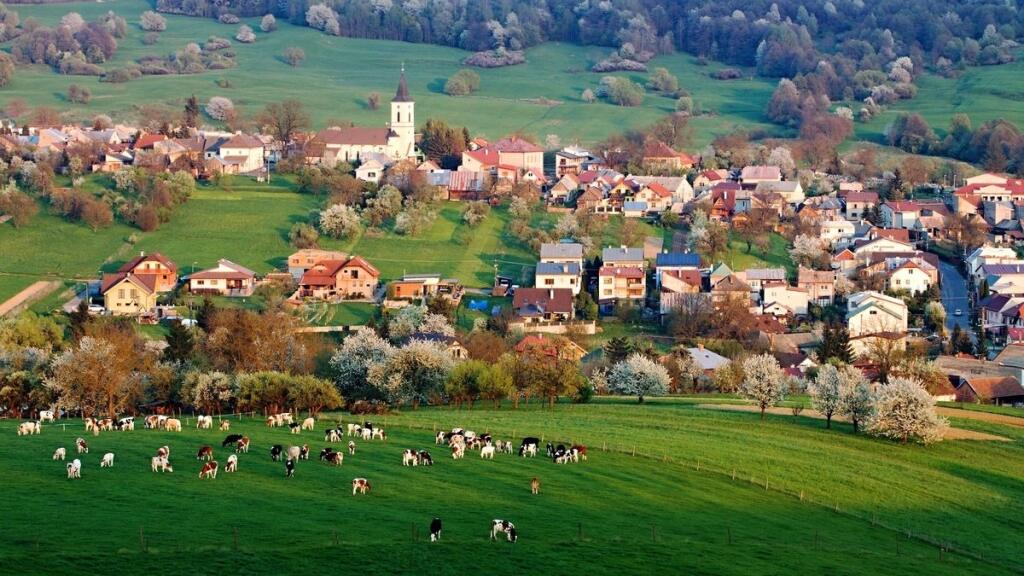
(617, 349)
(180, 343)
(204, 317)
(79, 318)
(191, 112)
(586, 308)
(835, 343)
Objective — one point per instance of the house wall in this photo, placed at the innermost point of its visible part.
(558, 281)
(911, 279)
(126, 298)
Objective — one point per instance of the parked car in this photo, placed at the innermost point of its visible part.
(958, 312)
(96, 309)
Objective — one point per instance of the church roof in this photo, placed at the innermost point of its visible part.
(402, 94)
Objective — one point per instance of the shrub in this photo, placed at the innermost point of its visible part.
(220, 108)
(625, 92)
(151, 38)
(294, 55)
(268, 23)
(214, 43)
(727, 74)
(462, 83)
(228, 18)
(79, 94)
(495, 58)
(322, 17)
(152, 22)
(245, 35)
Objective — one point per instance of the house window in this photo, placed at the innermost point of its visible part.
(135, 294)
(549, 281)
(120, 293)
(355, 274)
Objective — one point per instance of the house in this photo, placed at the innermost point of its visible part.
(420, 286)
(155, 269)
(573, 160)
(708, 361)
(678, 186)
(620, 283)
(872, 315)
(301, 261)
(751, 176)
(224, 279)
(1004, 278)
(838, 232)
(537, 305)
(989, 254)
(781, 299)
(709, 178)
(348, 279)
(857, 204)
(554, 347)
(719, 273)
(998, 390)
(509, 158)
(623, 257)
(863, 251)
(372, 166)
(657, 198)
(634, 209)
(240, 154)
(820, 285)
(911, 274)
(679, 288)
(756, 278)
(674, 262)
(790, 190)
(558, 276)
(563, 189)
(922, 218)
(126, 293)
(660, 157)
(730, 288)
(562, 253)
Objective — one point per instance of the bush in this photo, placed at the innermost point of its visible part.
(462, 83)
(322, 17)
(152, 22)
(228, 18)
(245, 35)
(151, 38)
(496, 58)
(79, 94)
(727, 74)
(220, 108)
(294, 55)
(121, 75)
(214, 43)
(625, 92)
(268, 23)
(616, 63)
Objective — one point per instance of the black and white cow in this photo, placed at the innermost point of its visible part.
(410, 458)
(425, 459)
(275, 452)
(289, 468)
(325, 453)
(435, 530)
(499, 526)
(230, 439)
(529, 446)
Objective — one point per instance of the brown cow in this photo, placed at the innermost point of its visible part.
(361, 485)
(535, 486)
(209, 470)
(205, 453)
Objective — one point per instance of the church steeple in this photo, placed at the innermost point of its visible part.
(402, 94)
(403, 120)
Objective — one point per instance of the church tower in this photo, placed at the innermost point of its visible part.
(403, 121)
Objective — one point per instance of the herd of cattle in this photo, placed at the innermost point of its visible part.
(458, 441)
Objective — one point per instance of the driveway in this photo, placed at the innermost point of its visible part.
(954, 296)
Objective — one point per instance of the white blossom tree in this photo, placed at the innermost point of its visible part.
(340, 221)
(150, 21)
(210, 391)
(245, 34)
(638, 376)
(352, 361)
(414, 373)
(904, 410)
(268, 23)
(322, 17)
(781, 156)
(826, 392)
(763, 381)
(220, 108)
(807, 250)
(856, 399)
(412, 320)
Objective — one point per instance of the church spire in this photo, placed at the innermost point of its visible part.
(402, 94)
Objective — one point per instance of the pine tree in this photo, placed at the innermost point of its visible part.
(835, 343)
(78, 319)
(204, 317)
(192, 112)
(180, 343)
(617, 349)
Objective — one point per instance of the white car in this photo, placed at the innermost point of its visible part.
(96, 309)
(958, 312)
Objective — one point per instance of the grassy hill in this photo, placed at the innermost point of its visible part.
(606, 516)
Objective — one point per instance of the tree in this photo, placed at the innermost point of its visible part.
(150, 21)
(475, 213)
(97, 214)
(904, 410)
(180, 343)
(763, 381)
(784, 106)
(807, 250)
(414, 373)
(206, 313)
(617, 349)
(663, 81)
(967, 230)
(314, 394)
(340, 221)
(100, 373)
(911, 133)
(373, 100)
(242, 339)
(294, 55)
(79, 94)
(463, 383)
(585, 306)
(835, 343)
(625, 92)
(322, 17)
(462, 83)
(856, 399)
(245, 35)
(191, 115)
(588, 96)
(351, 363)
(285, 118)
(826, 392)
(713, 243)
(442, 143)
(268, 23)
(639, 376)
(79, 319)
(496, 384)
(210, 391)
(6, 69)
(303, 235)
(18, 205)
(220, 108)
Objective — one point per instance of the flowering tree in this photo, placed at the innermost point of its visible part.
(245, 35)
(826, 392)
(209, 391)
(220, 108)
(322, 17)
(150, 21)
(268, 23)
(639, 376)
(340, 221)
(351, 363)
(413, 320)
(415, 373)
(905, 410)
(807, 250)
(856, 399)
(763, 381)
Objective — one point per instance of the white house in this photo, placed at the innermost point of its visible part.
(872, 315)
(559, 275)
(562, 253)
(989, 254)
(910, 275)
(623, 257)
(790, 190)
(241, 154)
(225, 279)
(781, 299)
(838, 232)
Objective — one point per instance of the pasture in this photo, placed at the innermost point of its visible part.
(605, 516)
(540, 97)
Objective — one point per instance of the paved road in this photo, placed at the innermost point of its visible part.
(954, 296)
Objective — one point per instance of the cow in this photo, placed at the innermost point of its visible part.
(107, 461)
(331, 435)
(435, 529)
(535, 486)
(286, 418)
(126, 423)
(304, 452)
(353, 429)
(529, 446)
(60, 453)
(294, 427)
(441, 437)
(172, 425)
(351, 448)
(90, 424)
(469, 435)
(579, 452)
(504, 446)
(28, 428)
(293, 453)
(361, 485)
(204, 422)
(209, 470)
(275, 452)
(74, 469)
(46, 416)
(487, 452)
(225, 425)
(410, 458)
(160, 464)
(106, 425)
(163, 451)
(289, 468)
(308, 423)
(271, 421)
(232, 465)
(425, 459)
(153, 421)
(504, 526)
(325, 452)
(81, 446)
(458, 451)
(205, 453)
(457, 440)
(366, 433)
(379, 433)
(335, 458)
(550, 452)
(243, 445)
(231, 439)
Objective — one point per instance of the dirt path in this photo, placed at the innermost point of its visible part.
(35, 291)
(951, 433)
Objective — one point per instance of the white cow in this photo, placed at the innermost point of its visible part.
(46, 416)
(82, 447)
(172, 425)
(204, 422)
(225, 425)
(160, 464)
(366, 433)
(308, 423)
(458, 451)
(74, 469)
(27, 428)
(487, 452)
(410, 458)
(379, 433)
(107, 461)
(232, 465)
(353, 429)
(59, 453)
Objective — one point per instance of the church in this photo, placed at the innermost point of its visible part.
(353, 144)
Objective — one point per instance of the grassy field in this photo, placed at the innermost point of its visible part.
(777, 256)
(605, 516)
(344, 71)
(11, 285)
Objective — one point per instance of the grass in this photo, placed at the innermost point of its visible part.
(777, 255)
(605, 516)
(11, 285)
(51, 247)
(989, 408)
(346, 70)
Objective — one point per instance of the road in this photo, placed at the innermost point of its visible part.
(954, 296)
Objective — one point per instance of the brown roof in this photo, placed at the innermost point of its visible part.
(900, 234)
(731, 283)
(146, 282)
(691, 277)
(323, 273)
(515, 145)
(995, 387)
(131, 264)
(558, 300)
(242, 141)
(354, 135)
(806, 275)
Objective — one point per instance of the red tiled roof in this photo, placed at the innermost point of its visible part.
(354, 135)
(691, 277)
(558, 300)
(485, 156)
(659, 190)
(242, 141)
(1012, 186)
(900, 234)
(996, 387)
(147, 281)
(515, 145)
(131, 264)
(146, 140)
(861, 197)
(621, 272)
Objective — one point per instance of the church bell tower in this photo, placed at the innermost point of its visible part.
(403, 120)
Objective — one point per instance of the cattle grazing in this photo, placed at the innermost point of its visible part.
(366, 433)
(160, 464)
(294, 427)
(550, 450)
(126, 423)
(308, 423)
(486, 438)
(351, 448)
(90, 424)
(153, 421)
(107, 461)
(335, 458)
(163, 451)
(232, 465)
(81, 446)
(293, 453)
(230, 439)
(60, 453)
(457, 440)
(46, 416)
(353, 429)
(275, 452)
(529, 446)
(106, 425)
(535, 486)
(435, 529)
(74, 469)
(331, 435)
(209, 470)
(289, 468)
(271, 421)
(204, 422)
(243, 445)
(506, 527)
(172, 425)
(474, 443)
(425, 459)
(487, 452)
(225, 425)
(304, 452)
(361, 485)
(27, 428)
(285, 417)
(440, 437)
(326, 452)
(504, 446)
(410, 458)
(379, 433)
(458, 451)
(205, 453)
(580, 452)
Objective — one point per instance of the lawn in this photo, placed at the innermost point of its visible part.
(11, 285)
(605, 516)
(344, 71)
(777, 256)
(50, 246)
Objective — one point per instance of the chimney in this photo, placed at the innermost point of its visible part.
(142, 253)
(700, 347)
(551, 294)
